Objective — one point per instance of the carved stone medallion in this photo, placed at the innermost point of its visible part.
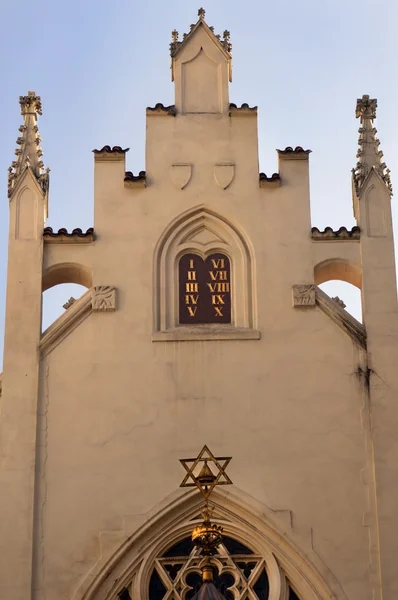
(103, 298)
(224, 174)
(181, 175)
(304, 295)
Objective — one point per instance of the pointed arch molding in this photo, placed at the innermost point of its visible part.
(268, 532)
(202, 231)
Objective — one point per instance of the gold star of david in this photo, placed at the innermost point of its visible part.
(205, 471)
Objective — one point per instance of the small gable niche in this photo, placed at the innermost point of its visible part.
(201, 70)
(200, 83)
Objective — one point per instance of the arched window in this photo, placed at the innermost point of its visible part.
(191, 287)
(241, 573)
(255, 561)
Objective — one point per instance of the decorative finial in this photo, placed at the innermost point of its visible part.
(29, 152)
(339, 301)
(30, 104)
(207, 536)
(226, 41)
(176, 44)
(366, 108)
(200, 475)
(368, 153)
(69, 303)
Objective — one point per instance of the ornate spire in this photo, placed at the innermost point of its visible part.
(29, 152)
(369, 156)
(176, 43)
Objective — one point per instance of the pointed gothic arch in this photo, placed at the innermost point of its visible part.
(290, 562)
(202, 231)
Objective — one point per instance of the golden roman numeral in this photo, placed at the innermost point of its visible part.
(218, 287)
(217, 299)
(218, 264)
(190, 299)
(192, 287)
(220, 275)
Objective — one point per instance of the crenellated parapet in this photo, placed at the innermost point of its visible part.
(29, 153)
(269, 181)
(135, 181)
(297, 153)
(111, 150)
(341, 234)
(242, 110)
(63, 236)
(160, 110)
(369, 155)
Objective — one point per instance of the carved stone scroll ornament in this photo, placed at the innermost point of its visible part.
(304, 295)
(103, 298)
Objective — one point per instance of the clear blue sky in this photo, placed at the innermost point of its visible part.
(98, 64)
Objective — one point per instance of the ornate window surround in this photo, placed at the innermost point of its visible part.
(202, 231)
(290, 561)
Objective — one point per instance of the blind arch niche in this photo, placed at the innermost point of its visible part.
(203, 233)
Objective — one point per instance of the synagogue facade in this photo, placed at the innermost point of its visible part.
(204, 334)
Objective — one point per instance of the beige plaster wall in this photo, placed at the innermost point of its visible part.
(117, 410)
(287, 408)
(122, 409)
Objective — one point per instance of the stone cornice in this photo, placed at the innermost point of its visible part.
(110, 154)
(135, 181)
(66, 323)
(242, 111)
(205, 333)
(109, 150)
(297, 153)
(273, 181)
(63, 236)
(159, 110)
(341, 317)
(341, 234)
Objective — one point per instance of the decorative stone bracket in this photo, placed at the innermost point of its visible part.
(304, 295)
(103, 298)
(309, 295)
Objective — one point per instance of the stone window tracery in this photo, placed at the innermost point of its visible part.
(241, 573)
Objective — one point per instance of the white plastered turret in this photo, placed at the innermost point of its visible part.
(28, 194)
(201, 69)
